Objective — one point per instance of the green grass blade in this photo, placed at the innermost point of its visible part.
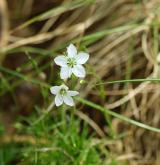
(21, 76)
(56, 11)
(131, 81)
(114, 114)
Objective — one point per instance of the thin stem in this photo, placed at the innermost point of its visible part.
(63, 116)
(72, 118)
(48, 110)
(130, 80)
(121, 117)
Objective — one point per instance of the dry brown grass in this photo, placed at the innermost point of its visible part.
(124, 52)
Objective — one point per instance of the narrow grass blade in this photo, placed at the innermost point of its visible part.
(114, 114)
(130, 81)
(21, 76)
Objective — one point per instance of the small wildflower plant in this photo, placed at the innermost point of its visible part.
(71, 63)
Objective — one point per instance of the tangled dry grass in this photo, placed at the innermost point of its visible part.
(122, 37)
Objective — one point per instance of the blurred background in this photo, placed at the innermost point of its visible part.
(122, 38)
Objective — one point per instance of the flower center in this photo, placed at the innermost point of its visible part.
(71, 62)
(63, 91)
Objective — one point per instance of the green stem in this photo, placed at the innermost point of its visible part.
(63, 116)
(72, 118)
(131, 80)
(114, 114)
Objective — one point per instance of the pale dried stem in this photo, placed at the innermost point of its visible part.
(4, 23)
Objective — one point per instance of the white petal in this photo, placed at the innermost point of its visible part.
(71, 51)
(65, 72)
(68, 100)
(55, 89)
(79, 71)
(82, 58)
(61, 61)
(72, 93)
(58, 100)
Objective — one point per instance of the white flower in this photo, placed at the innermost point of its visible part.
(63, 94)
(72, 63)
